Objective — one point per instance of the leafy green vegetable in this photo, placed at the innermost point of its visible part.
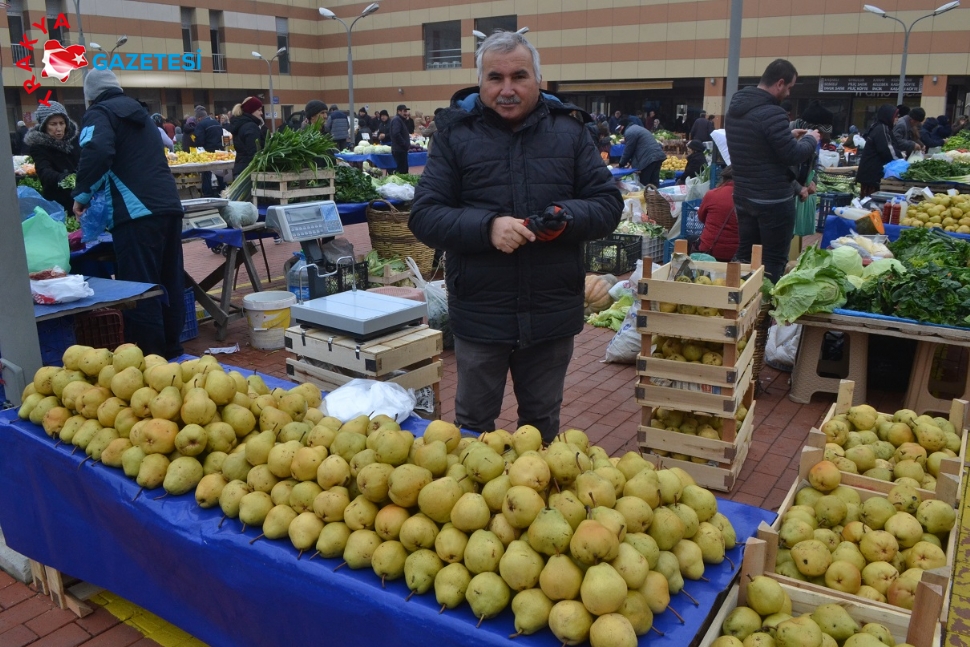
(918, 246)
(847, 259)
(881, 265)
(72, 224)
(406, 178)
(68, 182)
(32, 182)
(353, 186)
(933, 170)
(286, 151)
(613, 316)
(929, 294)
(959, 141)
(648, 229)
(376, 265)
(815, 285)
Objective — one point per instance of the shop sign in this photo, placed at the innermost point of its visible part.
(870, 85)
(149, 62)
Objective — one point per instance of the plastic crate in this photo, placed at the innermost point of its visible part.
(191, 328)
(827, 202)
(669, 249)
(55, 335)
(653, 248)
(690, 224)
(616, 254)
(103, 328)
(345, 276)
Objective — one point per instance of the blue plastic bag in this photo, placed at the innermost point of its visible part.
(30, 199)
(895, 168)
(96, 218)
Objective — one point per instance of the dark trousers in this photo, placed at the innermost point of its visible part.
(771, 226)
(538, 377)
(341, 143)
(401, 160)
(149, 250)
(207, 189)
(651, 174)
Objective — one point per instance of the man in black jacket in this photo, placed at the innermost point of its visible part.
(513, 188)
(702, 128)
(120, 155)
(763, 150)
(400, 139)
(208, 135)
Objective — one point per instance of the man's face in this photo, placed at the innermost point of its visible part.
(509, 85)
(782, 90)
(617, 114)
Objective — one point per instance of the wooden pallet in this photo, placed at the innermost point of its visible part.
(373, 358)
(948, 482)
(920, 628)
(67, 593)
(276, 186)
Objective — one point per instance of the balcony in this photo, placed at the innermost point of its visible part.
(219, 63)
(20, 52)
(436, 59)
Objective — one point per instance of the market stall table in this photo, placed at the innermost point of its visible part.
(107, 293)
(173, 558)
(384, 161)
(181, 171)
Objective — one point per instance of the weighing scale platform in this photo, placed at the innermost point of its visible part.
(363, 315)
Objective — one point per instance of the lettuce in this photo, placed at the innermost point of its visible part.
(848, 260)
(816, 284)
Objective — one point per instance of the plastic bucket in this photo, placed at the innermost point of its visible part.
(268, 315)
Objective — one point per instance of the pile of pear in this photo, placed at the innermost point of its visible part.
(164, 423)
(685, 309)
(768, 621)
(903, 448)
(692, 424)
(591, 547)
(876, 549)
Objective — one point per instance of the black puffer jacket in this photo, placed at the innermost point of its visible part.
(762, 148)
(478, 169)
(54, 160)
(881, 147)
(246, 131)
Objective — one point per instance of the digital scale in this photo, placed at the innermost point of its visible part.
(358, 313)
(203, 213)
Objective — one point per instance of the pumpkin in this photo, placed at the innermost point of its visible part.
(597, 293)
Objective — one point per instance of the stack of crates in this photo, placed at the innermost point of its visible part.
(682, 398)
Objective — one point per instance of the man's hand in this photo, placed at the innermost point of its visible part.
(812, 188)
(814, 135)
(803, 194)
(798, 132)
(508, 233)
(79, 208)
(549, 224)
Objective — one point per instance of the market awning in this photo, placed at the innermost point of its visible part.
(605, 86)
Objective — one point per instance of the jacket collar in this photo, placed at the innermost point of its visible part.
(467, 102)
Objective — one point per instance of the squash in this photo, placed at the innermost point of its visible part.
(597, 293)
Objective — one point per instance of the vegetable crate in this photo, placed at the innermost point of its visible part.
(827, 202)
(387, 277)
(102, 328)
(920, 627)
(279, 187)
(616, 254)
(55, 335)
(810, 456)
(189, 185)
(949, 486)
(190, 330)
(409, 357)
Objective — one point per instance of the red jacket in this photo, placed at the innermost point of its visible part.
(717, 211)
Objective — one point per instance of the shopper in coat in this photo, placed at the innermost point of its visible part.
(513, 188)
(696, 160)
(53, 145)
(720, 235)
(943, 128)
(400, 139)
(702, 128)
(880, 149)
(119, 155)
(338, 126)
(208, 135)
(246, 127)
(928, 134)
(907, 128)
(382, 133)
(642, 152)
(763, 152)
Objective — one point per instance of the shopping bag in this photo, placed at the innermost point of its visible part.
(437, 301)
(45, 241)
(96, 219)
(30, 199)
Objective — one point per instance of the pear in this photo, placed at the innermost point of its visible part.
(571, 508)
(294, 431)
(256, 384)
(321, 436)
(593, 542)
(433, 457)
(450, 585)
(521, 505)
(70, 397)
(566, 462)
(645, 545)
(220, 387)
(253, 508)
(450, 544)
(636, 610)
(418, 531)
(235, 466)
(742, 622)
(644, 485)
(405, 483)
(347, 444)
(260, 402)
(711, 542)
(667, 528)
(111, 456)
(561, 578)
(487, 595)
(55, 418)
(231, 497)
(458, 472)
(690, 558)
(273, 419)
(657, 592)
(392, 447)
(936, 516)
(388, 560)
(438, 498)
(612, 630)
(765, 595)
(258, 449)
(360, 513)
(37, 414)
(443, 431)
(278, 520)
(631, 565)
(295, 404)
(550, 533)
(209, 490)
(197, 408)
(70, 427)
(219, 436)
(72, 356)
(109, 409)
(126, 382)
(669, 566)
(835, 621)
(131, 461)
(158, 436)
(85, 433)
(93, 360)
(262, 480)
(570, 622)
(333, 540)
(151, 471)
(483, 552)
(420, 569)
(213, 462)
(526, 438)
(86, 404)
(240, 418)
(484, 464)
(688, 516)
(306, 461)
(520, 566)
(373, 481)
(530, 470)
(279, 458)
(331, 504)
(100, 442)
(531, 607)
(503, 529)
(389, 520)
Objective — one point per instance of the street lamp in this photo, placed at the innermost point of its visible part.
(121, 41)
(269, 66)
(906, 30)
(368, 10)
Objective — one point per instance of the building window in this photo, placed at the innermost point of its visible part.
(15, 27)
(60, 34)
(215, 38)
(489, 26)
(283, 40)
(442, 44)
(188, 17)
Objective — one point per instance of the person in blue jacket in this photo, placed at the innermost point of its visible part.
(120, 156)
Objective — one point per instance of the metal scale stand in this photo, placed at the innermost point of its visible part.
(356, 313)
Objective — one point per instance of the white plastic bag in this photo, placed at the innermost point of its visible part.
(63, 289)
(625, 345)
(437, 300)
(369, 398)
(782, 346)
(696, 188)
(392, 191)
(239, 214)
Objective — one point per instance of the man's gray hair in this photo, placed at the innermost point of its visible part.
(505, 42)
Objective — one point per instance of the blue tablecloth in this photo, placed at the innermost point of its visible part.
(622, 172)
(836, 227)
(171, 557)
(616, 150)
(384, 161)
(105, 291)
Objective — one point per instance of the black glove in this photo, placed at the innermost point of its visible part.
(550, 223)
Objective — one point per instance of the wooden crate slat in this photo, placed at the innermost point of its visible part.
(721, 479)
(329, 380)
(726, 376)
(718, 329)
(684, 400)
(708, 448)
(658, 288)
(374, 358)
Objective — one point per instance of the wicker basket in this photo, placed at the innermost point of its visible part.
(761, 341)
(391, 238)
(657, 207)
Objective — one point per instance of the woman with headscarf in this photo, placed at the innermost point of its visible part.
(246, 127)
(929, 135)
(696, 161)
(881, 148)
(943, 129)
(166, 140)
(188, 135)
(52, 143)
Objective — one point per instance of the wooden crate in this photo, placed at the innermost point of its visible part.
(375, 358)
(809, 457)
(920, 628)
(276, 186)
(66, 592)
(949, 481)
(422, 374)
(713, 400)
(726, 375)
(389, 278)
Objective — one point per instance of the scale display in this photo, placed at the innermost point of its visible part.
(305, 221)
(203, 221)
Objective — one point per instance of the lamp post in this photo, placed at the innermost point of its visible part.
(368, 10)
(121, 41)
(906, 31)
(269, 67)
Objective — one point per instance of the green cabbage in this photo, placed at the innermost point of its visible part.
(816, 284)
(876, 268)
(848, 260)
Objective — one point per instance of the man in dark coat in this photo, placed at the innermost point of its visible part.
(642, 151)
(208, 135)
(400, 139)
(702, 128)
(120, 155)
(247, 133)
(513, 188)
(763, 150)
